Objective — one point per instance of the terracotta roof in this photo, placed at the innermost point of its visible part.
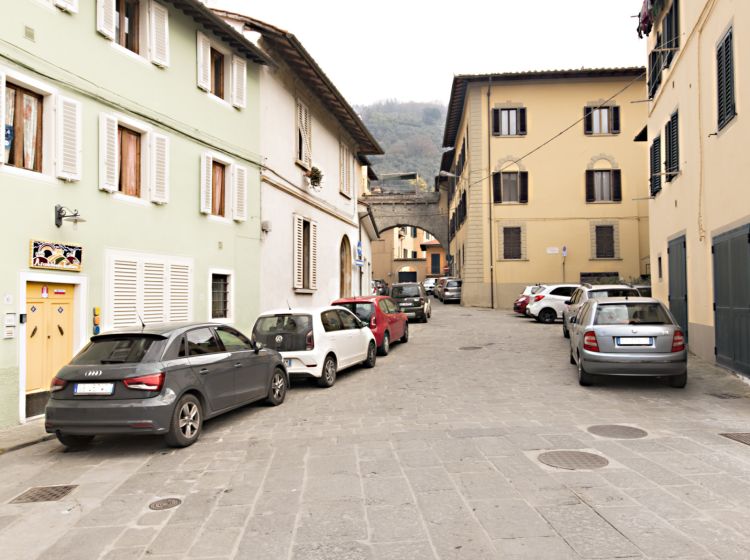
(461, 81)
(303, 65)
(430, 243)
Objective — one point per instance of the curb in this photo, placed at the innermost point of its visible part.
(18, 446)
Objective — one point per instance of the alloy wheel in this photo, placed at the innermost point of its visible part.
(278, 385)
(330, 371)
(189, 420)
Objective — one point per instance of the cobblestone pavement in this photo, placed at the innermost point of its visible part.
(432, 454)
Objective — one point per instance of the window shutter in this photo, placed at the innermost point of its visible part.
(180, 292)
(204, 62)
(108, 153)
(313, 255)
(239, 82)
(674, 148)
(68, 145)
(299, 253)
(159, 169)
(523, 189)
(590, 185)
(617, 185)
(307, 135)
(105, 18)
(728, 78)
(2, 117)
(655, 166)
(159, 35)
(588, 120)
(154, 291)
(70, 6)
(207, 173)
(124, 292)
(497, 190)
(615, 120)
(522, 121)
(239, 193)
(495, 121)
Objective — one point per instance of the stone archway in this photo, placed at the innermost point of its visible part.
(426, 211)
(345, 268)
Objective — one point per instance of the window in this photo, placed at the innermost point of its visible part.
(510, 187)
(564, 291)
(23, 127)
(217, 73)
(305, 254)
(672, 148)
(304, 136)
(129, 174)
(655, 166)
(512, 243)
(346, 170)
(221, 73)
(601, 120)
(140, 26)
(658, 267)
(655, 65)
(218, 185)
(605, 242)
(509, 122)
(413, 254)
(202, 341)
(127, 24)
(232, 340)
(220, 294)
(725, 80)
(671, 27)
(603, 186)
(223, 188)
(406, 254)
(414, 232)
(348, 321)
(331, 320)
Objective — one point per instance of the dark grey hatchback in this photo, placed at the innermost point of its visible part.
(161, 379)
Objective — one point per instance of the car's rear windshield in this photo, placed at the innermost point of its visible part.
(115, 350)
(287, 323)
(363, 310)
(405, 291)
(536, 289)
(454, 284)
(614, 292)
(631, 314)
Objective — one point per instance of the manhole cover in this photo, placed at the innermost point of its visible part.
(166, 503)
(573, 460)
(44, 494)
(740, 437)
(724, 396)
(470, 348)
(618, 432)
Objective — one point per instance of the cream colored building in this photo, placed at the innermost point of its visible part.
(700, 211)
(522, 212)
(398, 255)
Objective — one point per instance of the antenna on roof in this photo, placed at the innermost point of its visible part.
(143, 325)
(289, 306)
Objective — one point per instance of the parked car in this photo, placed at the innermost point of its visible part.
(160, 379)
(519, 306)
(412, 300)
(429, 285)
(440, 286)
(547, 304)
(586, 292)
(384, 317)
(317, 342)
(452, 290)
(643, 289)
(380, 287)
(627, 337)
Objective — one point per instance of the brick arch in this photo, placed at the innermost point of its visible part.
(427, 211)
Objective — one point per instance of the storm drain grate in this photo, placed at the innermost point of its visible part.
(740, 437)
(724, 396)
(166, 503)
(470, 348)
(44, 494)
(617, 431)
(573, 460)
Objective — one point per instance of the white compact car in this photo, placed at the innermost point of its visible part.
(547, 304)
(317, 342)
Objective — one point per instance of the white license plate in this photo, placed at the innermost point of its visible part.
(288, 362)
(93, 388)
(634, 341)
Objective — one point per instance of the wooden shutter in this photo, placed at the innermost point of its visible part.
(495, 121)
(108, 153)
(655, 166)
(588, 120)
(239, 193)
(313, 255)
(512, 243)
(239, 82)
(159, 35)
(605, 242)
(159, 169)
(615, 120)
(154, 292)
(70, 6)
(204, 62)
(617, 185)
(180, 292)
(2, 118)
(124, 292)
(523, 187)
(674, 146)
(207, 164)
(68, 141)
(729, 107)
(299, 253)
(522, 121)
(590, 196)
(105, 18)
(497, 188)
(303, 123)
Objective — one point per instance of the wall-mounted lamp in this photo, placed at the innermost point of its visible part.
(62, 213)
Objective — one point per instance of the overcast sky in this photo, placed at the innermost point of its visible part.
(410, 49)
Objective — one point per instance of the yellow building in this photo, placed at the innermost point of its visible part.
(700, 211)
(400, 255)
(523, 211)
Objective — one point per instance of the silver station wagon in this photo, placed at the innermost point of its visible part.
(632, 336)
(160, 379)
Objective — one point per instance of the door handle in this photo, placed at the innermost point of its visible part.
(203, 370)
(33, 333)
(238, 364)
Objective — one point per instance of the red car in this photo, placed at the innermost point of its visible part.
(519, 306)
(384, 317)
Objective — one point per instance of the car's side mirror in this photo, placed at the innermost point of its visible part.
(257, 346)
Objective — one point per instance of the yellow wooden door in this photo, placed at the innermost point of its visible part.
(60, 329)
(36, 345)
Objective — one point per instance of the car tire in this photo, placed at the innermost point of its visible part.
(371, 355)
(678, 381)
(74, 442)
(572, 359)
(386, 346)
(405, 338)
(584, 378)
(277, 388)
(187, 422)
(566, 333)
(547, 315)
(330, 369)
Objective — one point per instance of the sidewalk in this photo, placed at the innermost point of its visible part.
(23, 435)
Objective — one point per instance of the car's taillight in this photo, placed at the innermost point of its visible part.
(373, 322)
(151, 382)
(678, 341)
(589, 342)
(421, 301)
(538, 298)
(57, 384)
(309, 341)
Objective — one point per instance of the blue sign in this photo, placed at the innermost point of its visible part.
(359, 262)
(359, 251)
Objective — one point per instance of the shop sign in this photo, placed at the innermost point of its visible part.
(55, 256)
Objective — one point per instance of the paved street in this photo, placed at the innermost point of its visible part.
(433, 454)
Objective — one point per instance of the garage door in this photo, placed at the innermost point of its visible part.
(731, 256)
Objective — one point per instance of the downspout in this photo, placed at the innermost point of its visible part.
(489, 191)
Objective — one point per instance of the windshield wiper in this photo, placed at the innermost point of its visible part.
(112, 361)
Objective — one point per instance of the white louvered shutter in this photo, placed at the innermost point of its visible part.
(239, 193)
(159, 35)
(68, 144)
(204, 62)
(239, 82)
(308, 135)
(299, 253)
(180, 292)
(154, 292)
(206, 183)
(124, 296)
(105, 18)
(159, 169)
(313, 255)
(342, 170)
(67, 5)
(108, 153)
(2, 118)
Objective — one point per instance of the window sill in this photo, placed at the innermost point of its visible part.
(601, 134)
(604, 202)
(605, 259)
(221, 321)
(127, 52)
(511, 203)
(29, 174)
(219, 219)
(130, 199)
(304, 291)
(215, 98)
(302, 164)
(513, 260)
(494, 135)
(345, 195)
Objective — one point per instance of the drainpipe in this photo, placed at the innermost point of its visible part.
(489, 176)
